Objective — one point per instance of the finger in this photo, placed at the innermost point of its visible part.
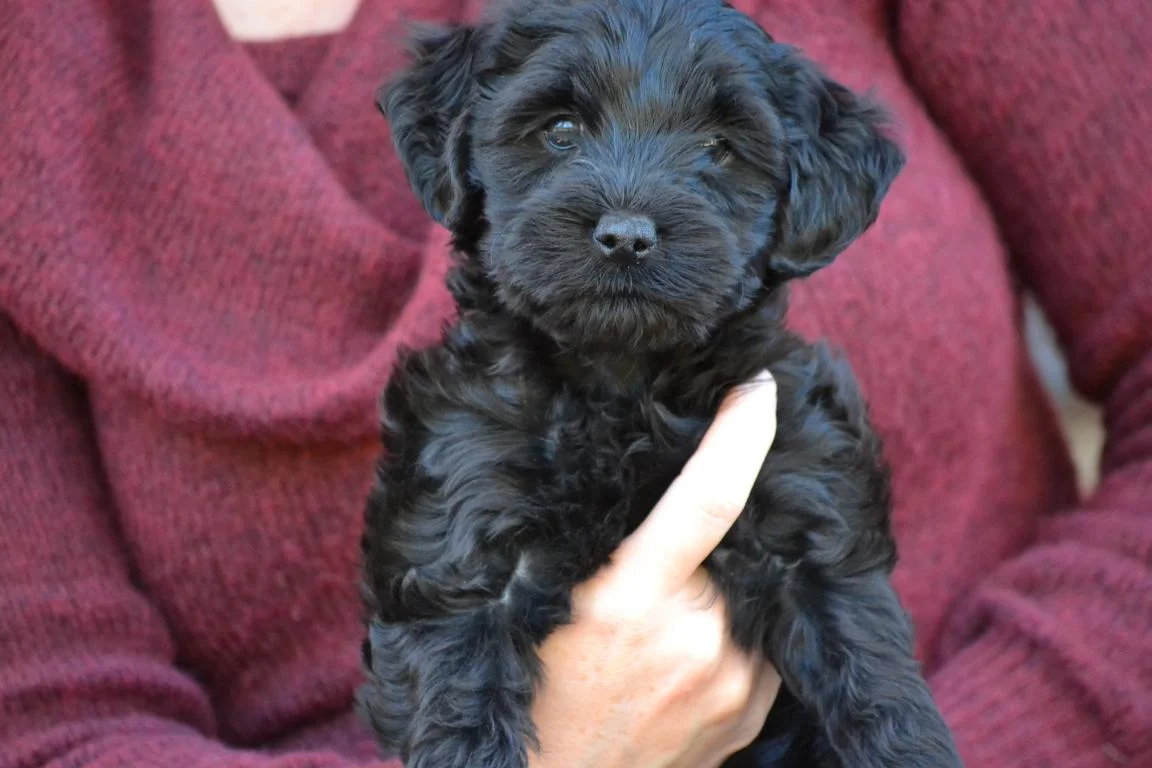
(710, 493)
(763, 696)
(755, 684)
(700, 592)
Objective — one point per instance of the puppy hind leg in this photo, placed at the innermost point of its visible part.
(755, 589)
(455, 691)
(844, 647)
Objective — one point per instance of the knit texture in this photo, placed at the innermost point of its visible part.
(209, 259)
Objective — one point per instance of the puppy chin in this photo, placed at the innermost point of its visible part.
(611, 324)
(674, 298)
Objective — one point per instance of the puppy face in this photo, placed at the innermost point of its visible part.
(631, 173)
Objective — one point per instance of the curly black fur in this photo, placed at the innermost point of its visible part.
(571, 391)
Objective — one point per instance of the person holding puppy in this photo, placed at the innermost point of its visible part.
(209, 259)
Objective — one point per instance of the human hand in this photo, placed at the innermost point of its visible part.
(646, 675)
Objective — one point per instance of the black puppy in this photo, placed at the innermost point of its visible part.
(629, 184)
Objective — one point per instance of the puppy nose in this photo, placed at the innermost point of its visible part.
(625, 238)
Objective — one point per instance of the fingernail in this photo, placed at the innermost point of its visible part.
(762, 384)
(764, 378)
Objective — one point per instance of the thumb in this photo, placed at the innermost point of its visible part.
(704, 501)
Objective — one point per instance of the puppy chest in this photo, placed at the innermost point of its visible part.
(611, 462)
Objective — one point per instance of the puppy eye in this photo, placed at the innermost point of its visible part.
(717, 148)
(561, 133)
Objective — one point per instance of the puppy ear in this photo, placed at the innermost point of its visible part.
(427, 109)
(840, 166)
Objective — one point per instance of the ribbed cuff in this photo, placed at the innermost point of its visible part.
(1007, 710)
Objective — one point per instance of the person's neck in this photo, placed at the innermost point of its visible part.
(269, 20)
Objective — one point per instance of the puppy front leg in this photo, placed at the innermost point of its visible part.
(453, 691)
(844, 647)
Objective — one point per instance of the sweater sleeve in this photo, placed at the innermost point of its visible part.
(87, 672)
(1050, 105)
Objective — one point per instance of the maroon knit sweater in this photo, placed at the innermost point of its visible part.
(208, 258)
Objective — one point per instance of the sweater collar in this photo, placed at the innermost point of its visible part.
(179, 231)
